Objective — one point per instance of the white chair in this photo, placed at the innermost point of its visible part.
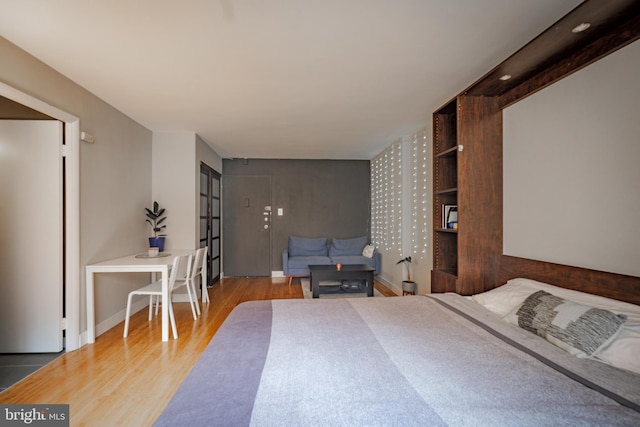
(201, 270)
(181, 267)
(189, 281)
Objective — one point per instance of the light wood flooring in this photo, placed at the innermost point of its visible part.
(128, 382)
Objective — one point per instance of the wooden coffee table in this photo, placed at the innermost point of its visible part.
(319, 273)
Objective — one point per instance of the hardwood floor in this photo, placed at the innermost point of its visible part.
(119, 381)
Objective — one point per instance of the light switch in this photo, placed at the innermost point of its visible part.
(280, 211)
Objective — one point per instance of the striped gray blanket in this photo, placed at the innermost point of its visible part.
(414, 361)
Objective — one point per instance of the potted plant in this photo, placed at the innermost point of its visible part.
(408, 286)
(156, 219)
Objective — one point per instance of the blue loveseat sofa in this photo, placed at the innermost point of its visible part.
(304, 251)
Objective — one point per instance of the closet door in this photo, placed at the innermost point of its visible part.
(31, 236)
(210, 220)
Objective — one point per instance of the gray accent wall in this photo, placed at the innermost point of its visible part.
(319, 198)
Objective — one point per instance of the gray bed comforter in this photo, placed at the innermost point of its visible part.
(423, 361)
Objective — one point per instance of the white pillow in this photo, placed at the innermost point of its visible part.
(621, 352)
(368, 251)
(505, 298)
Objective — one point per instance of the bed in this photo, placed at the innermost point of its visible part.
(439, 359)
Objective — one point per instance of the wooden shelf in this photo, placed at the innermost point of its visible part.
(448, 191)
(445, 230)
(448, 152)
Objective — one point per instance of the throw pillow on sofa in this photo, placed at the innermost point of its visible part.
(346, 247)
(305, 246)
(368, 251)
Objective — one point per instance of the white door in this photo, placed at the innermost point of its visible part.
(31, 236)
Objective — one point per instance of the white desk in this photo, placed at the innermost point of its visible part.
(129, 264)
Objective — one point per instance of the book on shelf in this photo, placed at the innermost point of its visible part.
(450, 216)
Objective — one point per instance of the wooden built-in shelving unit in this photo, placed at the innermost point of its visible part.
(467, 139)
(462, 129)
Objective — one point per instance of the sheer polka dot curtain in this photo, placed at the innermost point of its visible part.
(420, 208)
(391, 193)
(386, 195)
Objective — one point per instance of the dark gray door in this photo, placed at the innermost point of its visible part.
(246, 202)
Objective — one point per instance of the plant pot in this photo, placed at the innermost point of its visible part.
(408, 287)
(157, 242)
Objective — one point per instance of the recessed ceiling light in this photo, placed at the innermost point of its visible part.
(505, 77)
(581, 27)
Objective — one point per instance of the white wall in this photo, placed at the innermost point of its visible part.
(205, 154)
(176, 183)
(173, 185)
(571, 169)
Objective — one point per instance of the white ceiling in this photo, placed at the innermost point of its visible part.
(312, 79)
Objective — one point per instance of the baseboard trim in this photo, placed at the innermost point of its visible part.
(114, 320)
(395, 289)
(117, 318)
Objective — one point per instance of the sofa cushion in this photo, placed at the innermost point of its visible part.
(303, 262)
(342, 247)
(353, 259)
(305, 246)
